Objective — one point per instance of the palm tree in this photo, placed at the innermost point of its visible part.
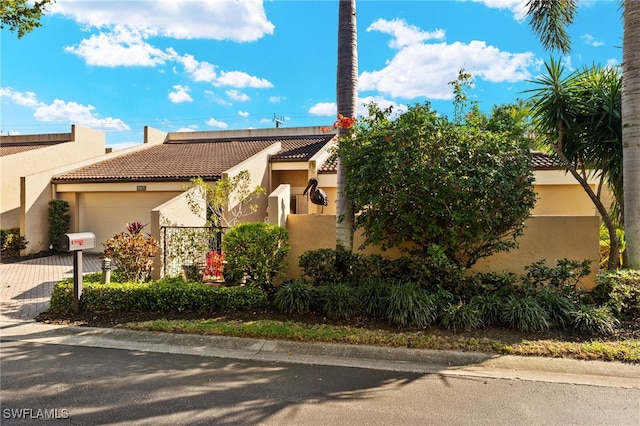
(346, 97)
(631, 130)
(549, 20)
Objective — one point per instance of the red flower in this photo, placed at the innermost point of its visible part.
(341, 123)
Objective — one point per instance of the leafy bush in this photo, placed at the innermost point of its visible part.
(620, 290)
(257, 251)
(464, 188)
(594, 320)
(408, 304)
(59, 222)
(11, 242)
(341, 301)
(525, 314)
(329, 266)
(294, 296)
(132, 252)
(461, 316)
(563, 278)
(169, 295)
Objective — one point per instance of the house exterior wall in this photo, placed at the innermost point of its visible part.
(80, 144)
(105, 213)
(546, 237)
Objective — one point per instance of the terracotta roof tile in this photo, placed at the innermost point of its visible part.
(300, 148)
(171, 161)
(10, 148)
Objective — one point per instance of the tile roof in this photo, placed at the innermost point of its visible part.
(539, 161)
(170, 161)
(300, 148)
(10, 148)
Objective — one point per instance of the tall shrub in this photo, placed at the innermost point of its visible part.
(59, 222)
(257, 252)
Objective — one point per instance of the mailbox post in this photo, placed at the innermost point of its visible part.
(76, 243)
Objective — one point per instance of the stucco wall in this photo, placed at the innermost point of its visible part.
(82, 143)
(546, 237)
(105, 213)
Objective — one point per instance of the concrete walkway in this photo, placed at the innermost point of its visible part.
(25, 287)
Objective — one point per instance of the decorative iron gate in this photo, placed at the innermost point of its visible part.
(187, 245)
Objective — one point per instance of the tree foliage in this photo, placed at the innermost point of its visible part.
(227, 200)
(22, 16)
(579, 116)
(420, 181)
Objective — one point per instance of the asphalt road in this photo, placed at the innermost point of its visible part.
(88, 385)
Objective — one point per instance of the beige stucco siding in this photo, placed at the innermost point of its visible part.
(105, 213)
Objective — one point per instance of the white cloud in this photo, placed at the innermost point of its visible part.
(425, 69)
(244, 114)
(237, 96)
(517, 7)
(26, 99)
(215, 123)
(76, 113)
(404, 34)
(120, 47)
(199, 71)
(276, 99)
(591, 41)
(241, 21)
(241, 79)
(181, 94)
(328, 109)
(62, 111)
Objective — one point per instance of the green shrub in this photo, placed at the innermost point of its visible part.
(11, 242)
(294, 296)
(490, 307)
(563, 278)
(558, 306)
(132, 252)
(341, 301)
(373, 294)
(257, 252)
(329, 266)
(620, 290)
(167, 296)
(594, 320)
(461, 316)
(59, 222)
(525, 314)
(408, 304)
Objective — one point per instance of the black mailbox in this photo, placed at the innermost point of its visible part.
(78, 241)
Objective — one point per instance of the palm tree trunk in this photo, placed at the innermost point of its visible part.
(631, 131)
(346, 97)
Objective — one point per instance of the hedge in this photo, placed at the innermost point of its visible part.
(169, 295)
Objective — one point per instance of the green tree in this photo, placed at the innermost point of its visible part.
(579, 117)
(227, 201)
(346, 98)
(421, 181)
(549, 20)
(59, 222)
(22, 16)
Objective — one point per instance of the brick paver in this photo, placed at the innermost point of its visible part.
(25, 287)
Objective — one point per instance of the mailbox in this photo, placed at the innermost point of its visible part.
(78, 241)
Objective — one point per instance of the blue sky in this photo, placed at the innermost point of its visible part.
(197, 65)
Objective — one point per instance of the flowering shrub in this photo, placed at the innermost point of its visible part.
(132, 252)
(214, 266)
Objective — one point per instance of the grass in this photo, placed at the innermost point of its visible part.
(592, 349)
